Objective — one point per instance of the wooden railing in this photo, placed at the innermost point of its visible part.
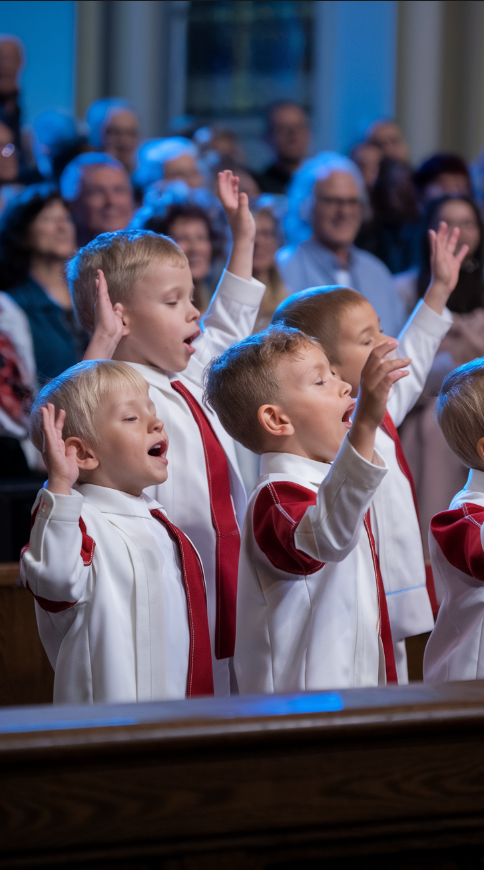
(368, 778)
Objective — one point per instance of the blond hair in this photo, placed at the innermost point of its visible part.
(79, 392)
(124, 257)
(243, 378)
(460, 411)
(318, 312)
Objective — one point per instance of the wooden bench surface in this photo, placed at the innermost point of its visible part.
(251, 782)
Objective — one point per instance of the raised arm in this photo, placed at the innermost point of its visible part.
(108, 323)
(54, 566)
(330, 529)
(235, 304)
(429, 323)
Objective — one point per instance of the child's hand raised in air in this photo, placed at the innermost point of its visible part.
(60, 460)
(377, 378)
(241, 222)
(445, 263)
(108, 323)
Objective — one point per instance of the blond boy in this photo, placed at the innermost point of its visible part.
(348, 328)
(149, 321)
(311, 608)
(119, 590)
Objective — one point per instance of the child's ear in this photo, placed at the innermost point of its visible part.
(273, 419)
(120, 309)
(85, 455)
(480, 449)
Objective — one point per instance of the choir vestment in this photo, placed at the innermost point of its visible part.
(186, 493)
(393, 512)
(455, 650)
(111, 598)
(308, 603)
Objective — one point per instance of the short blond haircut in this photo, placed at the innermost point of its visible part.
(318, 312)
(124, 257)
(79, 392)
(243, 378)
(460, 411)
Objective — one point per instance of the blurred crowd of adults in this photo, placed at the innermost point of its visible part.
(321, 219)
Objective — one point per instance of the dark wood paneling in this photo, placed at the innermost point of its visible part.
(26, 676)
(398, 772)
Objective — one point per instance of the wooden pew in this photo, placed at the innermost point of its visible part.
(368, 778)
(26, 676)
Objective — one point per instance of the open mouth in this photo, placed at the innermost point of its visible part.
(158, 449)
(346, 418)
(191, 338)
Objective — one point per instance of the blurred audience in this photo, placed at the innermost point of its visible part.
(8, 166)
(37, 236)
(394, 232)
(17, 387)
(387, 135)
(219, 142)
(170, 159)
(437, 471)
(367, 158)
(248, 181)
(268, 238)
(289, 135)
(100, 195)
(189, 225)
(442, 174)
(330, 256)
(11, 62)
(55, 142)
(114, 129)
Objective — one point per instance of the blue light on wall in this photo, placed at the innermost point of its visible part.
(47, 30)
(355, 76)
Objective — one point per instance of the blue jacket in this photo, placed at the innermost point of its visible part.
(54, 342)
(310, 264)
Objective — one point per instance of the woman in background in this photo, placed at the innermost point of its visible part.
(268, 239)
(37, 236)
(437, 471)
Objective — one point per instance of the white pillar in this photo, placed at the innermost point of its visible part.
(420, 71)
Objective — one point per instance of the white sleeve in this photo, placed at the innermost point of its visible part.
(229, 319)
(330, 529)
(53, 565)
(420, 340)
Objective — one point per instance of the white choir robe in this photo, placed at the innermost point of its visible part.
(455, 650)
(301, 625)
(393, 517)
(229, 319)
(121, 630)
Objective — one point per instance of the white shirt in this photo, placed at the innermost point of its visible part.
(230, 318)
(111, 616)
(307, 609)
(455, 650)
(394, 520)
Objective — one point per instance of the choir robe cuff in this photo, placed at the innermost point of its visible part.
(64, 508)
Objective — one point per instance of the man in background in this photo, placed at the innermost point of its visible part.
(100, 194)
(289, 135)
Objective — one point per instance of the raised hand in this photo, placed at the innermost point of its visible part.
(241, 222)
(108, 323)
(445, 262)
(60, 461)
(377, 378)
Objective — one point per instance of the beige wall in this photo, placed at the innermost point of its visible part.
(440, 76)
